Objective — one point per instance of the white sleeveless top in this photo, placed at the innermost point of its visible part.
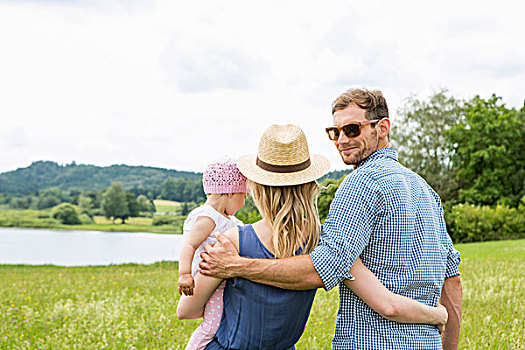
(222, 224)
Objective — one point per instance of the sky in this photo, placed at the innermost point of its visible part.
(177, 84)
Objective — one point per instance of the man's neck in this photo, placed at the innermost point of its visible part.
(381, 145)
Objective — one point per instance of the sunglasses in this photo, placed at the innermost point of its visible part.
(350, 130)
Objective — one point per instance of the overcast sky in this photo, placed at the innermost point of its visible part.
(176, 84)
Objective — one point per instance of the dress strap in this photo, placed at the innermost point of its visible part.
(250, 245)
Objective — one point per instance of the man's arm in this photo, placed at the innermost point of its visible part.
(451, 295)
(223, 261)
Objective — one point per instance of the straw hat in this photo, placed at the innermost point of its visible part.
(283, 159)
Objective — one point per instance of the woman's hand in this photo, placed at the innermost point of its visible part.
(443, 317)
(186, 284)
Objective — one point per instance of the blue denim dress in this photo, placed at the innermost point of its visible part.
(257, 316)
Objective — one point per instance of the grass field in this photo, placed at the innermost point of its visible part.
(165, 206)
(133, 306)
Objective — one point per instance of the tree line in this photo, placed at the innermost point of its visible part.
(176, 189)
(42, 175)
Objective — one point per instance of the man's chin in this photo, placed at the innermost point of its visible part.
(348, 160)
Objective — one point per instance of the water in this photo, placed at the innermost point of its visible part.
(82, 248)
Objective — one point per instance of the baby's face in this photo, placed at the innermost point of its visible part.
(235, 202)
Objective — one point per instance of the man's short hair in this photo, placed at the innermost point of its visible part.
(372, 101)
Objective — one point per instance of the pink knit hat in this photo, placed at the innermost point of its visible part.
(223, 177)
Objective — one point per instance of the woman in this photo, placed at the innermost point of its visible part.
(256, 316)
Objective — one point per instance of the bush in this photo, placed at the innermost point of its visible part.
(19, 203)
(67, 214)
(175, 220)
(26, 218)
(470, 223)
(43, 215)
(86, 219)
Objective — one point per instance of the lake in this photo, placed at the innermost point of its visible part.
(82, 248)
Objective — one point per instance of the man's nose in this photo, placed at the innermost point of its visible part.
(342, 137)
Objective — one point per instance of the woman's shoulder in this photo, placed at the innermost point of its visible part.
(233, 235)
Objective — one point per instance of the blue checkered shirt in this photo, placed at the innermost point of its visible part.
(391, 218)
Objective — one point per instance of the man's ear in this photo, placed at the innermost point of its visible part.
(383, 128)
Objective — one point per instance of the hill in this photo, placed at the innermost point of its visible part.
(44, 174)
(336, 174)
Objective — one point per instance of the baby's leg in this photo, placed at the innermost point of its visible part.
(210, 321)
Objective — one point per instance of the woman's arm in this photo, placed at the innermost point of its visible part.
(392, 306)
(193, 306)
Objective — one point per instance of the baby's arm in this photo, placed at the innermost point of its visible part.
(392, 306)
(193, 306)
(201, 229)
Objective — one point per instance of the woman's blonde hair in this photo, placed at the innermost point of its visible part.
(292, 214)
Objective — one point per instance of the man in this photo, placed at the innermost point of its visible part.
(383, 213)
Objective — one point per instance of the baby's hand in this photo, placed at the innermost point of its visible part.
(186, 284)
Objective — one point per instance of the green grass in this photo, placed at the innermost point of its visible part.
(167, 208)
(493, 277)
(42, 219)
(133, 306)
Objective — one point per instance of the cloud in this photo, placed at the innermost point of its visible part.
(197, 68)
(16, 137)
(114, 6)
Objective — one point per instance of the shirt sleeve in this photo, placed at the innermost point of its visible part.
(453, 261)
(347, 229)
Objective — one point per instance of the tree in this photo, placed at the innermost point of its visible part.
(19, 203)
(114, 203)
(44, 201)
(185, 210)
(329, 187)
(182, 190)
(145, 204)
(170, 189)
(419, 137)
(249, 213)
(488, 153)
(66, 213)
(133, 206)
(85, 203)
(53, 192)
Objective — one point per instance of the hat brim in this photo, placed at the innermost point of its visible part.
(247, 165)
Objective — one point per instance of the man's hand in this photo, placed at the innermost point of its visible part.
(186, 284)
(220, 260)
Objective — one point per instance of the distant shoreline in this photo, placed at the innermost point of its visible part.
(41, 219)
(99, 227)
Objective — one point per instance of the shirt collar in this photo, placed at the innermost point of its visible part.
(379, 154)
